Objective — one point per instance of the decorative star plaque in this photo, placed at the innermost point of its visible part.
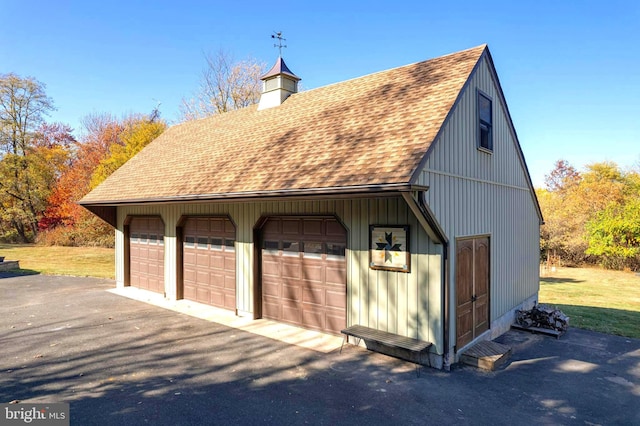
(389, 247)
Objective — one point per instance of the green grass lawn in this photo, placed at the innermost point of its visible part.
(76, 261)
(595, 299)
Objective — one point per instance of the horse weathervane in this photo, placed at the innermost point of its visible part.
(278, 35)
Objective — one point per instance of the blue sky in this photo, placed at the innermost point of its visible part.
(570, 70)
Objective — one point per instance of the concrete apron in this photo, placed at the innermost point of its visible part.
(289, 334)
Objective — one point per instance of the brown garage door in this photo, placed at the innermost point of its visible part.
(146, 248)
(304, 272)
(209, 261)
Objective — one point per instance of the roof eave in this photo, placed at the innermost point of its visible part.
(328, 192)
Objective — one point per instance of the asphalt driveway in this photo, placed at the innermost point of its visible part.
(120, 361)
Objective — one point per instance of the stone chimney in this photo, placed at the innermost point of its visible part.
(277, 84)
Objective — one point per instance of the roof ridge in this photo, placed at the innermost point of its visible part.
(481, 46)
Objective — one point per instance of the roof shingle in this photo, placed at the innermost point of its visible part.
(372, 130)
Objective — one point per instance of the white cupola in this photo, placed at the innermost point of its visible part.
(277, 85)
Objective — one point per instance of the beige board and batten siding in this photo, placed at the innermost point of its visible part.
(473, 192)
(407, 304)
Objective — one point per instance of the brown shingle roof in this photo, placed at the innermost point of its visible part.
(372, 130)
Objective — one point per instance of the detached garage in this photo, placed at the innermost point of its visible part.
(399, 201)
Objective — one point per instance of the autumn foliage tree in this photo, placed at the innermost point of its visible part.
(106, 144)
(593, 216)
(44, 170)
(32, 155)
(136, 133)
(64, 222)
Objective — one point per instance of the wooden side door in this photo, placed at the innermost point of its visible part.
(481, 286)
(472, 289)
(464, 292)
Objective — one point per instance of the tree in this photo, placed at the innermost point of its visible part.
(614, 235)
(563, 177)
(100, 131)
(137, 132)
(602, 184)
(25, 171)
(562, 233)
(225, 85)
(592, 216)
(105, 145)
(65, 222)
(614, 229)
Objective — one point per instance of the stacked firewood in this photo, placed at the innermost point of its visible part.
(542, 316)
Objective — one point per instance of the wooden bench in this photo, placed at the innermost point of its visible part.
(388, 339)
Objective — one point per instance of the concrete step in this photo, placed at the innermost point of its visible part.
(9, 265)
(487, 355)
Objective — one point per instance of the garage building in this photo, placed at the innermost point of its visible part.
(400, 200)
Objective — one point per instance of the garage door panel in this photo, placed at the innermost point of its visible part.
(189, 292)
(189, 257)
(209, 264)
(313, 273)
(291, 270)
(202, 278)
(272, 228)
(314, 319)
(215, 226)
(229, 301)
(217, 279)
(219, 262)
(291, 293)
(155, 253)
(202, 260)
(291, 313)
(312, 227)
(308, 285)
(202, 295)
(230, 263)
(189, 274)
(153, 269)
(336, 299)
(230, 282)
(271, 309)
(335, 229)
(271, 289)
(290, 227)
(314, 296)
(335, 321)
(216, 299)
(270, 267)
(336, 274)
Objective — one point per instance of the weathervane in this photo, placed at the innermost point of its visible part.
(278, 35)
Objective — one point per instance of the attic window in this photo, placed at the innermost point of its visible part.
(485, 123)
